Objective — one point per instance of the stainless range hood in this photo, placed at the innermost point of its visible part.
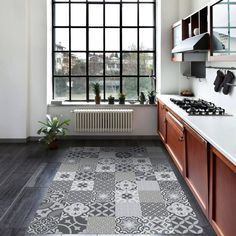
(198, 43)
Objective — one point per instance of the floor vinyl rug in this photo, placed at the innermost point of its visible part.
(115, 190)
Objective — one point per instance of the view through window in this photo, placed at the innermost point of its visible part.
(109, 42)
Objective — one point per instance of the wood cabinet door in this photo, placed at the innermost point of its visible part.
(222, 194)
(162, 120)
(175, 141)
(197, 167)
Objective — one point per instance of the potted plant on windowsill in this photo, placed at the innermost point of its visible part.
(52, 128)
(152, 97)
(97, 91)
(122, 98)
(111, 100)
(142, 98)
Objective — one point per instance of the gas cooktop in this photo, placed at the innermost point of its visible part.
(199, 107)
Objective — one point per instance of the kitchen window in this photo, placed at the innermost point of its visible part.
(110, 42)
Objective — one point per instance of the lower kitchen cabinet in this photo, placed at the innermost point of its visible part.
(162, 120)
(175, 142)
(197, 166)
(222, 212)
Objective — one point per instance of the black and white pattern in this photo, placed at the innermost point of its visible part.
(115, 190)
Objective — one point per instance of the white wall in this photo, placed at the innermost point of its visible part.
(13, 69)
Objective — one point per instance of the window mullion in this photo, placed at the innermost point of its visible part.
(69, 51)
(87, 51)
(104, 54)
(121, 54)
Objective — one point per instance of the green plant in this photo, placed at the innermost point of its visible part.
(142, 98)
(96, 89)
(152, 93)
(122, 95)
(52, 128)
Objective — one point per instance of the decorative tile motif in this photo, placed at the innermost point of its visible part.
(82, 185)
(106, 168)
(64, 176)
(165, 176)
(151, 209)
(108, 190)
(102, 209)
(84, 176)
(104, 196)
(130, 225)
(179, 209)
(126, 185)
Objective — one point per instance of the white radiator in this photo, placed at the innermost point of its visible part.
(103, 120)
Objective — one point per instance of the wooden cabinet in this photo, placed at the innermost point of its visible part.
(161, 120)
(197, 166)
(175, 140)
(222, 194)
(222, 31)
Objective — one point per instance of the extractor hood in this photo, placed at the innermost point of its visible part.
(198, 43)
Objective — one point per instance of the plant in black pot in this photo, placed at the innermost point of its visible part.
(52, 128)
(111, 100)
(152, 97)
(97, 91)
(121, 98)
(142, 98)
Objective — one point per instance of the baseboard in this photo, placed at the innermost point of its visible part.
(103, 137)
(14, 140)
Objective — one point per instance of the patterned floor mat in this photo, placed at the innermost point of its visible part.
(114, 190)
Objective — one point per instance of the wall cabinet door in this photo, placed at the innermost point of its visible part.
(222, 194)
(175, 140)
(162, 120)
(197, 167)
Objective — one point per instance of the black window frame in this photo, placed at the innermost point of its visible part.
(120, 52)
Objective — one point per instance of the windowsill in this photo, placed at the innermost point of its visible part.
(102, 104)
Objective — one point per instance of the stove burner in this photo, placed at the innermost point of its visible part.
(199, 107)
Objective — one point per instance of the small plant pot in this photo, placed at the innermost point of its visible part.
(111, 101)
(53, 145)
(141, 102)
(121, 100)
(97, 99)
(152, 100)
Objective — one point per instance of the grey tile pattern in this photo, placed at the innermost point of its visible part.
(115, 190)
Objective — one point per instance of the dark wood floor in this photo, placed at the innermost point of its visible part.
(26, 170)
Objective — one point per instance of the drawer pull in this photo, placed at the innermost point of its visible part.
(181, 139)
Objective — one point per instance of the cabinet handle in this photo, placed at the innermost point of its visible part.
(181, 139)
(163, 106)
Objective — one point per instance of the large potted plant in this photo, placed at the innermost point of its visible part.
(52, 128)
(97, 91)
(142, 98)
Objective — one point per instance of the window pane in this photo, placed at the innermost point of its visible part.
(146, 85)
(78, 64)
(112, 15)
(112, 39)
(61, 10)
(146, 63)
(91, 82)
(146, 39)
(146, 17)
(232, 15)
(129, 38)
(78, 88)
(61, 88)
(95, 39)
(222, 11)
(233, 40)
(130, 64)
(61, 39)
(96, 15)
(78, 14)
(61, 63)
(112, 63)
(95, 64)
(129, 15)
(130, 88)
(220, 39)
(78, 39)
(112, 86)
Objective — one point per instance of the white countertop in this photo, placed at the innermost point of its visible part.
(219, 131)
